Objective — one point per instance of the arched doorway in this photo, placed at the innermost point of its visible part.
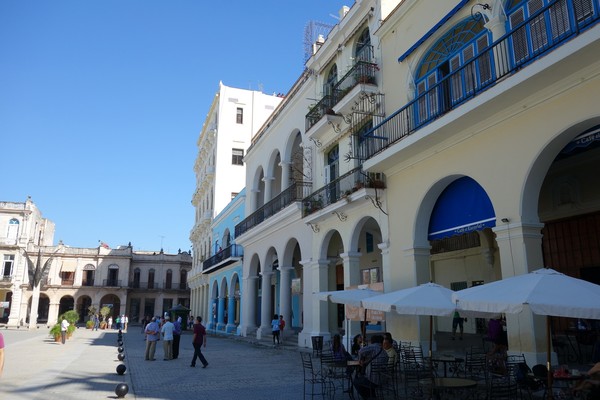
(67, 303)
(83, 305)
(111, 301)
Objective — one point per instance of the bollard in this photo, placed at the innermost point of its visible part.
(121, 390)
(121, 368)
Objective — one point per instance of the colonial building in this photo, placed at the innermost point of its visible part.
(135, 283)
(223, 270)
(233, 119)
(456, 150)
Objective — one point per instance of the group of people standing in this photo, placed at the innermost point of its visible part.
(161, 328)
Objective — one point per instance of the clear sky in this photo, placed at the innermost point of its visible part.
(102, 101)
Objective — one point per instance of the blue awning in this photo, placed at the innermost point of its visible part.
(461, 208)
(588, 138)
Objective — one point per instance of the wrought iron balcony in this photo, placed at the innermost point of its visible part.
(340, 188)
(543, 32)
(363, 71)
(111, 282)
(227, 256)
(295, 192)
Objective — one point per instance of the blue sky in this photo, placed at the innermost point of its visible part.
(102, 101)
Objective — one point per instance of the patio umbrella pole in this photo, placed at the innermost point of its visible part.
(364, 327)
(431, 351)
(548, 358)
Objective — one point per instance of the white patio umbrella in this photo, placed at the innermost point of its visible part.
(546, 292)
(426, 299)
(349, 297)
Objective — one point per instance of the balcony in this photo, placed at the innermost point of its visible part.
(144, 285)
(361, 76)
(229, 255)
(294, 193)
(345, 188)
(538, 36)
(6, 281)
(111, 283)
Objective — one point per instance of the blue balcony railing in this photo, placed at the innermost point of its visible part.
(540, 34)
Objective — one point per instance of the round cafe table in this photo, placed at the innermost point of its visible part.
(450, 387)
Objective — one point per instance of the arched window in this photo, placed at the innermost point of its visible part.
(364, 50)
(169, 279)
(113, 275)
(456, 48)
(151, 279)
(330, 82)
(136, 278)
(89, 271)
(182, 279)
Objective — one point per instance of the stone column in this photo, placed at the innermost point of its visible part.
(268, 195)
(351, 278)
(320, 283)
(248, 320)
(221, 313)
(265, 306)
(520, 248)
(285, 182)
(230, 314)
(285, 295)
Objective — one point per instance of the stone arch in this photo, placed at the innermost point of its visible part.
(541, 164)
(294, 159)
(83, 304)
(66, 303)
(114, 302)
(257, 189)
(274, 175)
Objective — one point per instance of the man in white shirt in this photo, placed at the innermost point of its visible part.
(167, 333)
(64, 325)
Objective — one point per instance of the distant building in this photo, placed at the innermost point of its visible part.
(135, 283)
(234, 117)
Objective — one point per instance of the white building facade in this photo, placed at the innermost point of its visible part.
(235, 115)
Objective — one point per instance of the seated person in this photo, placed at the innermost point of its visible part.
(592, 382)
(391, 352)
(497, 335)
(367, 356)
(338, 349)
(357, 343)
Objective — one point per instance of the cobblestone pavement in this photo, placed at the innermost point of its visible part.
(85, 368)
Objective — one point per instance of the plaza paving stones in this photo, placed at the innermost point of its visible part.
(85, 368)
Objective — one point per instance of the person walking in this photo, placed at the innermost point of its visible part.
(457, 322)
(110, 321)
(167, 334)
(275, 327)
(198, 340)
(96, 322)
(64, 325)
(176, 337)
(281, 327)
(125, 322)
(152, 334)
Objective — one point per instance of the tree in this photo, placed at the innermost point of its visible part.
(104, 311)
(37, 274)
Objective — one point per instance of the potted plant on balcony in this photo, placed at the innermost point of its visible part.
(366, 79)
